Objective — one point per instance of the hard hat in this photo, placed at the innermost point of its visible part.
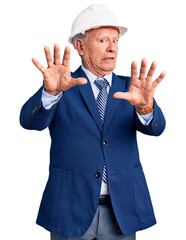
(93, 17)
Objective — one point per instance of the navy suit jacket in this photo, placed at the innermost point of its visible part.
(77, 156)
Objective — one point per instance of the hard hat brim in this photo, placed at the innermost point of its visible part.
(122, 31)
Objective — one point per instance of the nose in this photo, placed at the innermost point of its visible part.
(111, 46)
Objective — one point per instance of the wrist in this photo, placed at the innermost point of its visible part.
(146, 110)
(53, 93)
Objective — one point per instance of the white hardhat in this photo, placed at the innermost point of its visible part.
(93, 17)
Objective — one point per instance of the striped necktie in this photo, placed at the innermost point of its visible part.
(102, 98)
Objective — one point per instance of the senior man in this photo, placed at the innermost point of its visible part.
(96, 187)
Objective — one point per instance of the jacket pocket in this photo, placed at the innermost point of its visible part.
(141, 193)
(56, 201)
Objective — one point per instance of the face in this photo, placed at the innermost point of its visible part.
(99, 50)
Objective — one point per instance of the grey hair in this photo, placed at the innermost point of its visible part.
(79, 36)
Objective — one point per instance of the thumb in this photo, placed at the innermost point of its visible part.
(78, 81)
(122, 95)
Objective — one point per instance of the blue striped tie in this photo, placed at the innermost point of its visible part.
(102, 98)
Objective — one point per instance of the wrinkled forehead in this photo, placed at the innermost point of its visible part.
(109, 31)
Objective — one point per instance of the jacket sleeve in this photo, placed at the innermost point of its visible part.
(34, 116)
(157, 124)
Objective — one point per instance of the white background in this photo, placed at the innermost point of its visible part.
(157, 32)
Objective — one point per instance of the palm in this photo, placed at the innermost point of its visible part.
(54, 78)
(141, 90)
(57, 76)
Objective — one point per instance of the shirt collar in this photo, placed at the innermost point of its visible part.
(93, 77)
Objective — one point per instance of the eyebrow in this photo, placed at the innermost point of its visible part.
(107, 35)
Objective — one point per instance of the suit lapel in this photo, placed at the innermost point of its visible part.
(118, 85)
(88, 96)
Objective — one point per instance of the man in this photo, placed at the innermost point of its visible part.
(96, 187)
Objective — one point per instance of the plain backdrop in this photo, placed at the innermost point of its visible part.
(157, 32)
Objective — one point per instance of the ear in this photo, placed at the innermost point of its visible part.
(79, 46)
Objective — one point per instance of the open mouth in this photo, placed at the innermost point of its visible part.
(108, 58)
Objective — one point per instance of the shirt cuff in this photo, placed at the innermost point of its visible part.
(49, 100)
(145, 118)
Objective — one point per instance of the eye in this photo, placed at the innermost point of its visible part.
(103, 40)
(115, 41)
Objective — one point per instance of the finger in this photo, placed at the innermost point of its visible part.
(159, 79)
(57, 54)
(38, 65)
(151, 71)
(122, 95)
(143, 69)
(66, 57)
(78, 81)
(48, 56)
(134, 71)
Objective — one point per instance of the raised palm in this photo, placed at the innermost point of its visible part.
(141, 90)
(57, 76)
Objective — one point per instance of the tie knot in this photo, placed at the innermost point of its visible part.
(101, 83)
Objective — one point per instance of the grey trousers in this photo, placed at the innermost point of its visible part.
(103, 227)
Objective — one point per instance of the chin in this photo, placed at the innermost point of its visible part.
(109, 69)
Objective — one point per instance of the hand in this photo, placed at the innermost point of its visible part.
(57, 76)
(141, 90)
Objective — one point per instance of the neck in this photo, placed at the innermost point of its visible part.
(97, 72)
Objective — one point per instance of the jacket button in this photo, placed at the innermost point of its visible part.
(105, 143)
(34, 110)
(98, 175)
